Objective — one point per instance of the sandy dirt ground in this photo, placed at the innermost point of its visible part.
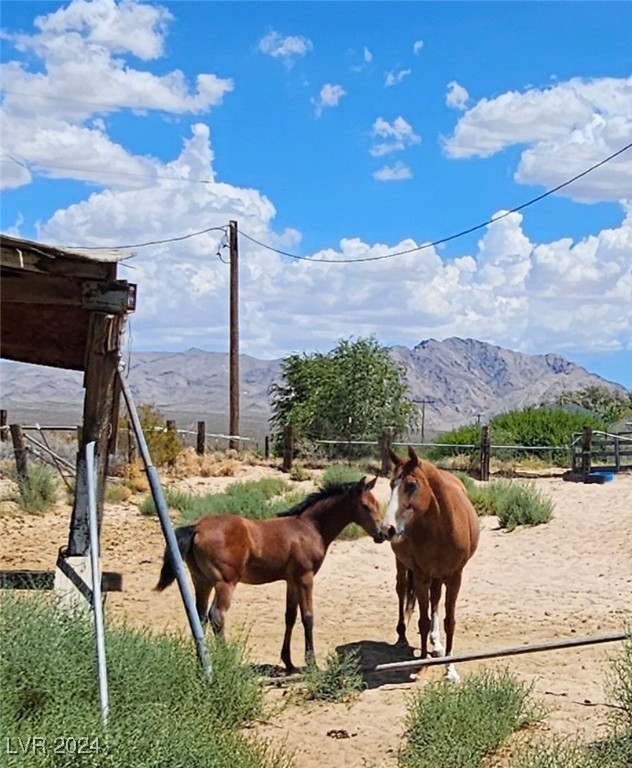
(570, 578)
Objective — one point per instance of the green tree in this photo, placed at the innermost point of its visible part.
(610, 404)
(348, 393)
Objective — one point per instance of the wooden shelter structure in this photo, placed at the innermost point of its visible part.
(65, 308)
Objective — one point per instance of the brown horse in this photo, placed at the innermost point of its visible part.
(433, 529)
(222, 550)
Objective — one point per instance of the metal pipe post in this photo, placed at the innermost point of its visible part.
(97, 605)
(168, 532)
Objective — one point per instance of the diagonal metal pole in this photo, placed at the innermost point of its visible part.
(97, 604)
(168, 532)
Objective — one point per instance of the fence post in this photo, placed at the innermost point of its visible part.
(385, 448)
(201, 438)
(3, 425)
(266, 447)
(288, 448)
(132, 448)
(586, 452)
(19, 448)
(484, 453)
(617, 454)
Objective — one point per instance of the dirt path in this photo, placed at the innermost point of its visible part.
(570, 578)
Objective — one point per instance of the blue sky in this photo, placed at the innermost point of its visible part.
(335, 131)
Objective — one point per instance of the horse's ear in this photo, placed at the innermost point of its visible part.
(371, 485)
(394, 457)
(412, 455)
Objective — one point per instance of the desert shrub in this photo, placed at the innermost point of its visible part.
(519, 504)
(37, 491)
(514, 503)
(339, 680)
(162, 710)
(620, 688)
(258, 499)
(299, 474)
(164, 445)
(116, 493)
(457, 726)
(570, 753)
(341, 473)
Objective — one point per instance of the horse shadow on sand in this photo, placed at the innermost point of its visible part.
(371, 653)
(367, 653)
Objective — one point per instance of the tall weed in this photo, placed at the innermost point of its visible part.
(163, 712)
(458, 726)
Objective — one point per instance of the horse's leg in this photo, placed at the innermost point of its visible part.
(291, 611)
(401, 587)
(221, 603)
(202, 592)
(435, 633)
(422, 588)
(305, 590)
(452, 587)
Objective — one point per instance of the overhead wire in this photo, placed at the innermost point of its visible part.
(382, 257)
(449, 238)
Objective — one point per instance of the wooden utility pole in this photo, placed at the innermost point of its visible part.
(423, 401)
(233, 428)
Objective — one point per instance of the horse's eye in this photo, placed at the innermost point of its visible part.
(410, 486)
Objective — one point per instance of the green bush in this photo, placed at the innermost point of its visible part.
(514, 503)
(164, 445)
(37, 492)
(620, 688)
(340, 680)
(457, 726)
(569, 753)
(257, 500)
(519, 504)
(529, 427)
(163, 712)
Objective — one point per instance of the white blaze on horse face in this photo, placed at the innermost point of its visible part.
(393, 517)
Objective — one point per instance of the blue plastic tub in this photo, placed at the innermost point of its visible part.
(605, 473)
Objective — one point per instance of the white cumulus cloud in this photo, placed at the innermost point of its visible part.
(417, 46)
(456, 97)
(396, 172)
(395, 136)
(329, 96)
(394, 78)
(566, 128)
(48, 117)
(288, 49)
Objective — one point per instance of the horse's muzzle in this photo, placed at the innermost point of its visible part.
(388, 533)
(378, 536)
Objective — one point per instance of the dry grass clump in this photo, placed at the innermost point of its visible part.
(216, 464)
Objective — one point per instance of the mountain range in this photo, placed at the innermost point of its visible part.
(456, 381)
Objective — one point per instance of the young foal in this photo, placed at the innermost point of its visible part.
(222, 550)
(434, 530)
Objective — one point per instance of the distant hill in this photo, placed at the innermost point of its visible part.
(461, 379)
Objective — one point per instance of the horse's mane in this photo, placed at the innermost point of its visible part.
(325, 492)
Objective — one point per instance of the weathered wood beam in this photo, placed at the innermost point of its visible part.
(34, 261)
(115, 297)
(100, 403)
(44, 335)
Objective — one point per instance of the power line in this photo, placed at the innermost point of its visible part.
(154, 242)
(447, 239)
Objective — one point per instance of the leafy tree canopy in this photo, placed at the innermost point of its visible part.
(609, 404)
(351, 392)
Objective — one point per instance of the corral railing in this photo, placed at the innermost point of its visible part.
(602, 450)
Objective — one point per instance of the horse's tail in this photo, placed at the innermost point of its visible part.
(411, 596)
(184, 537)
